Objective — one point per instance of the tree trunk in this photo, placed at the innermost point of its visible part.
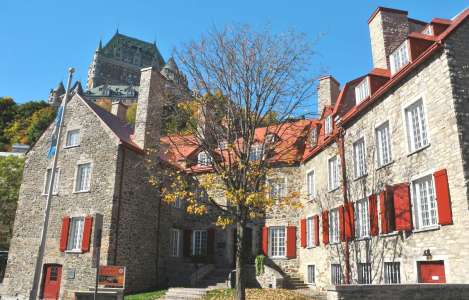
(240, 283)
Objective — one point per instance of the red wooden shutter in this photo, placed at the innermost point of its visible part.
(265, 240)
(291, 241)
(325, 227)
(341, 223)
(316, 230)
(373, 212)
(445, 215)
(64, 234)
(349, 221)
(303, 232)
(187, 242)
(210, 242)
(382, 212)
(85, 243)
(402, 211)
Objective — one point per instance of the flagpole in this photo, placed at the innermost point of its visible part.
(40, 257)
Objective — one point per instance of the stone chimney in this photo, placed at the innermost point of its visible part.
(148, 116)
(119, 110)
(388, 29)
(328, 92)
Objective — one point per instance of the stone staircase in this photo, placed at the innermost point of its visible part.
(295, 281)
(217, 279)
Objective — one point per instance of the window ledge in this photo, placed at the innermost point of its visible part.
(334, 243)
(429, 228)
(71, 146)
(385, 165)
(389, 234)
(360, 177)
(418, 150)
(76, 251)
(278, 257)
(81, 192)
(363, 238)
(333, 189)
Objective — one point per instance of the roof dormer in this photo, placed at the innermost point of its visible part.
(362, 90)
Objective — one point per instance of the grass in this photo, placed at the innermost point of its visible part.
(256, 294)
(146, 296)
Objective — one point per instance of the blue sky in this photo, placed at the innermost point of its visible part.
(40, 39)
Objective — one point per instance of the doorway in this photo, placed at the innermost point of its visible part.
(431, 271)
(51, 281)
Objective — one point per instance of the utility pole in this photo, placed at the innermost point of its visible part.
(40, 257)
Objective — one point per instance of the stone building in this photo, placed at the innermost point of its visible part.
(382, 175)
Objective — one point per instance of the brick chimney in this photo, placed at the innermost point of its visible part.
(148, 116)
(328, 92)
(388, 29)
(119, 110)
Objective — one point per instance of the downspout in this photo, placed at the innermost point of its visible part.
(119, 197)
(341, 144)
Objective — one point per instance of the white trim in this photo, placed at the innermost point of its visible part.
(193, 242)
(367, 92)
(415, 205)
(57, 176)
(329, 188)
(66, 138)
(178, 242)
(361, 137)
(84, 162)
(312, 195)
(391, 147)
(406, 105)
(313, 283)
(284, 227)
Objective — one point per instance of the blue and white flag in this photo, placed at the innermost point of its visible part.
(55, 134)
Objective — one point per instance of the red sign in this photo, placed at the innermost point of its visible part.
(111, 277)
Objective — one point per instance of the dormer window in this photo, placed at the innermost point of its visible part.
(428, 30)
(362, 91)
(256, 152)
(270, 138)
(328, 125)
(204, 159)
(223, 145)
(399, 58)
(313, 137)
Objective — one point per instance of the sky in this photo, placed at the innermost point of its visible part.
(40, 39)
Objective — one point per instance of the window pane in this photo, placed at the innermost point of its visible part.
(72, 137)
(311, 275)
(416, 126)
(424, 202)
(48, 179)
(392, 273)
(75, 233)
(83, 177)
(277, 241)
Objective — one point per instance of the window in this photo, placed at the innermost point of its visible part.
(334, 226)
(199, 246)
(177, 203)
(328, 125)
(428, 30)
(256, 152)
(362, 91)
(362, 219)
(383, 144)
(277, 241)
(174, 243)
(399, 58)
(75, 234)
(48, 179)
(270, 138)
(424, 202)
(336, 274)
(311, 274)
(278, 188)
(310, 234)
(223, 145)
(333, 173)
(392, 272)
(416, 127)
(82, 183)
(204, 159)
(359, 158)
(364, 273)
(72, 138)
(310, 184)
(313, 137)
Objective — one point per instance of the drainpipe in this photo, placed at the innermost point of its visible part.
(341, 145)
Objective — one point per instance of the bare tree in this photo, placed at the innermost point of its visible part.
(245, 80)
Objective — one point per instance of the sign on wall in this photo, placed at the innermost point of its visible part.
(111, 277)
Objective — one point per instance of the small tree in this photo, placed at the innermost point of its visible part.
(248, 79)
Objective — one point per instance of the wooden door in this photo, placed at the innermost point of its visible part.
(51, 282)
(431, 271)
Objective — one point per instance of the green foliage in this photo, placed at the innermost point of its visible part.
(39, 122)
(11, 173)
(104, 103)
(7, 114)
(131, 113)
(146, 296)
(259, 264)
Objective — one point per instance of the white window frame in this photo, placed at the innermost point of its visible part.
(431, 203)
(313, 137)
(428, 30)
(55, 190)
(423, 132)
(362, 219)
(278, 241)
(75, 234)
(328, 125)
(390, 274)
(204, 159)
(199, 243)
(77, 142)
(274, 191)
(175, 242)
(310, 236)
(381, 145)
(311, 184)
(365, 275)
(77, 174)
(177, 203)
(333, 173)
(400, 57)
(256, 152)
(336, 272)
(362, 90)
(359, 158)
(310, 274)
(334, 234)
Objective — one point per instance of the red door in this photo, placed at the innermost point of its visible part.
(431, 271)
(51, 287)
